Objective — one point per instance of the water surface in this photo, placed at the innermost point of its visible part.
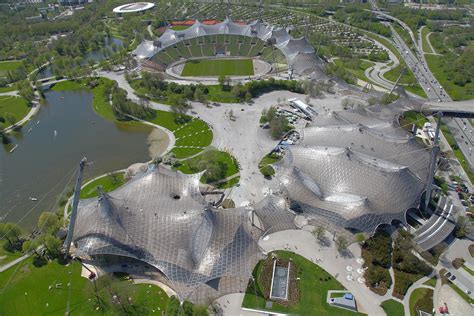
(44, 163)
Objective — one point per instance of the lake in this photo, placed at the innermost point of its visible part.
(50, 147)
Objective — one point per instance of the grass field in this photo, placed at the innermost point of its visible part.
(7, 89)
(108, 183)
(6, 66)
(218, 67)
(392, 308)
(314, 283)
(421, 299)
(179, 27)
(357, 69)
(198, 164)
(12, 110)
(424, 39)
(436, 62)
(27, 289)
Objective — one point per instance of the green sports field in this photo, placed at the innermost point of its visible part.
(218, 67)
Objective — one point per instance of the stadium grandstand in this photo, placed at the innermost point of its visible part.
(271, 44)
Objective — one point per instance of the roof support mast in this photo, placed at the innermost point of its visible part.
(434, 153)
(75, 203)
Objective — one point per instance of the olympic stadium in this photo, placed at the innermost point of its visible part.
(270, 49)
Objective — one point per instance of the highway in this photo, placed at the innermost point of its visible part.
(461, 129)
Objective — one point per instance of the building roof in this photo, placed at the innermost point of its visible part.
(353, 175)
(300, 54)
(161, 218)
(133, 7)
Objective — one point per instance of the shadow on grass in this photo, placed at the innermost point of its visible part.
(39, 262)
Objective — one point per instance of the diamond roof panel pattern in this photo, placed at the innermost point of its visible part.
(353, 175)
(161, 218)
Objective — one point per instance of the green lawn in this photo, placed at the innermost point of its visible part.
(218, 67)
(468, 270)
(179, 27)
(421, 299)
(312, 285)
(393, 308)
(12, 110)
(461, 293)
(216, 94)
(185, 134)
(431, 282)
(7, 89)
(424, 39)
(198, 164)
(69, 85)
(6, 66)
(264, 165)
(108, 184)
(6, 255)
(357, 69)
(29, 290)
(457, 152)
(412, 117)
(436, 62)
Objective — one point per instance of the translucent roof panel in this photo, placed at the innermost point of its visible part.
(300, 54)
(161, 218)
(357, 168)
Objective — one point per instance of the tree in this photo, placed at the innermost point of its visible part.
(278, 126)
(248, 97)
(341, 243)
(179, 105)
(462, 228)
(198, 95)
(221, 79)
(32, 245)
(48, 222)
(10, 118)
(319, 232)
(6, 232)
(53, 245)
(360, 237)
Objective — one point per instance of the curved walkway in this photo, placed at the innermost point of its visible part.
(12, 263)
(34, 109)
(305, 244)
(418, 284)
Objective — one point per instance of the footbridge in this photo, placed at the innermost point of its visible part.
(450, 108)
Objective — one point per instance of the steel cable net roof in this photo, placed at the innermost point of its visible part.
(161, 218)
(300, 54)
(355, 176)
(273, 214)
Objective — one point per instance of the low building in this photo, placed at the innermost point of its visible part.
(302, 107)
